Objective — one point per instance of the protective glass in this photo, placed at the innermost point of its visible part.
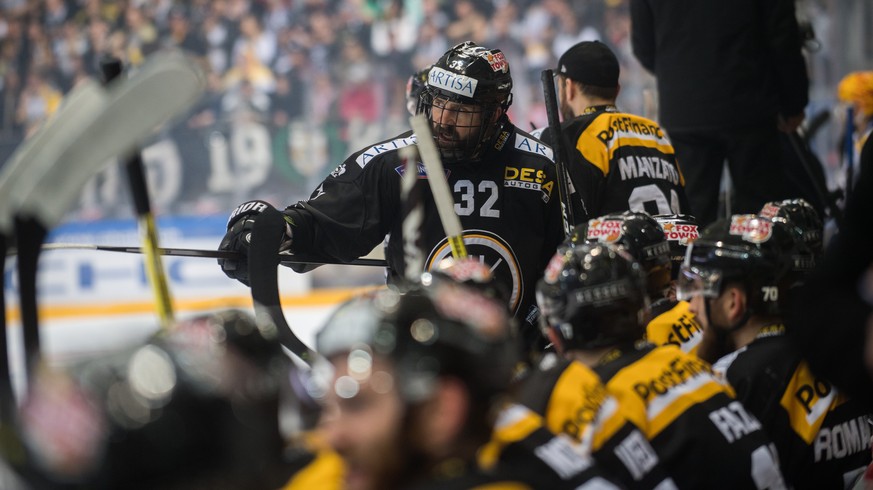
(693, 281)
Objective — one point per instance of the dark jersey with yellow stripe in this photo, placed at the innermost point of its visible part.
(672, 323)
(523, 450)
(620, 161)
(689, 417)
(571, 400)
(822, 436)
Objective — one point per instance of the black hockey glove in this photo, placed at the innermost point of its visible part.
(239, 237)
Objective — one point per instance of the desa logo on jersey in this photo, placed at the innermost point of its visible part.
(446, 80)
(604, 231)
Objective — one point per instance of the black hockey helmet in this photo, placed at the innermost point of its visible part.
(593, 295)
(749, 249)
(196, 408)
(640, 236)
(466, 86)
(414, 86)
(679, 230)
(802, 216)
(443, 329)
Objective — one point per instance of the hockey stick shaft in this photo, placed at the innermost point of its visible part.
(560, 153)
(285, 259)
(112, 68)
(439, 187)
(7, 394)
(30, 234)
(808, 160)
(413, 214)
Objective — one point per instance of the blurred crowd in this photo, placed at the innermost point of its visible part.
(325, 77)
(336, 65)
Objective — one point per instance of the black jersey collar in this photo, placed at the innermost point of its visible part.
(599, 108)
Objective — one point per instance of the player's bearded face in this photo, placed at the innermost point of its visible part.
(456, 125)
(363, 421)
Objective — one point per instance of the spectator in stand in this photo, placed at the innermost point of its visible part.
(730, 75)
(39, 99)
(255, 40)
(182, 36)
(856, 90)
(142, 35)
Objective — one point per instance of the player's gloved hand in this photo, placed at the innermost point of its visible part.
(239, 237)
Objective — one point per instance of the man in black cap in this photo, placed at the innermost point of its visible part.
(617, 161)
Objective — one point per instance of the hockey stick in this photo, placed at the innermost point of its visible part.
(111, 69)
(18, 177)
(439, 187)
(267, 233)
(284, 257)
(166, 86)
(808, 160)
(133, 108)
(561, 156)
(413, 215)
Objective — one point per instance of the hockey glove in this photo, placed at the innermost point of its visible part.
(239, 237)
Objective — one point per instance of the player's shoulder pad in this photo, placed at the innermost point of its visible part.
(526, 142)
(721, 366)
(378, 150)
(537, 386)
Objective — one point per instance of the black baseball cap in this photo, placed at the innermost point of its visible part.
(590, 63)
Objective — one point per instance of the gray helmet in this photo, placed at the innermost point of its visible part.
(427, 332)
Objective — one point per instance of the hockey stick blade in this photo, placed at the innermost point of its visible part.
(35, 156)
(166, 86)
(285, 258)
(267, 231)
(439, 187)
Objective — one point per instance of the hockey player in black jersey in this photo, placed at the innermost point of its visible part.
(672, 321)
(618, 161)
(417, 378)
(593, 300)
(502, 181)
(738, 273)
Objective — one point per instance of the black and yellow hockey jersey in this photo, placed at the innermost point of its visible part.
(672, 323)
(689, 417)
(822, 436)
(522, 450)
(621, 162)
(506, 202)
(572, 401)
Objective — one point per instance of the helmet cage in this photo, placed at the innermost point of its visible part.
(694, 281)
(456, 114)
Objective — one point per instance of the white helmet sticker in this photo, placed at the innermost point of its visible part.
(453, 82)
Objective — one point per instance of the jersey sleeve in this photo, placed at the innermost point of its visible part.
(349, 213)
